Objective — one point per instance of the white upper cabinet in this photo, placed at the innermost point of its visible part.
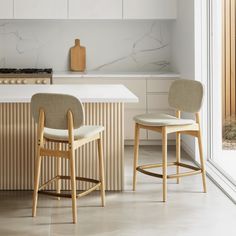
(95, 9)
(6, 9)
(149, 9)
(40, 9)
(88, 9)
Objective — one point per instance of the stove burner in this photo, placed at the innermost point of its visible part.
(25, 71)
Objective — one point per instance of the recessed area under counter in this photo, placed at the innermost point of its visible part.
(103, 104)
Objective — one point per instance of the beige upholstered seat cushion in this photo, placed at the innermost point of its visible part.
(156, 119)
(85, 131)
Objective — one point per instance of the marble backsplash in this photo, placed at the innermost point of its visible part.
(123, 46)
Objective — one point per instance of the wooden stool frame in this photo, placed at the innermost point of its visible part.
(68, 154)
(193, 130)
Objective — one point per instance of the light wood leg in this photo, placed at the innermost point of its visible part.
(101, 171)
(36, 182)
(73, 186)
(178, 138)
(38, 161)
(58, 171)
(72, 164)
(202, 161)
(136, 150)
(164, 162)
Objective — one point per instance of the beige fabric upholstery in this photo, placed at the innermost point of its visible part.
(85, 131)
(56, 107)
(156, 119)
(186, 95)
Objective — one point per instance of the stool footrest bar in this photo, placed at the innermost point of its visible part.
(68, 178)
(195, 170)
(67, 195)
(149, 173)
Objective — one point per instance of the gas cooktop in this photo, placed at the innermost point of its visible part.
(25, 71)
(25, 76)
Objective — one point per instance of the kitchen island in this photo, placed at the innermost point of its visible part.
(104, 105)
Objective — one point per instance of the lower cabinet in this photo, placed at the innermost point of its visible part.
(152, 94)
(157, 102)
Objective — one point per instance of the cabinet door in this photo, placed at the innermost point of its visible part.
(157, 102)
(40, 9)
(158, 85)
(95, 9)
(149, 9)
(6, 9)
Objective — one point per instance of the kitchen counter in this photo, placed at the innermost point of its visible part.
(103, 105)
(114, 75)
(87, 93)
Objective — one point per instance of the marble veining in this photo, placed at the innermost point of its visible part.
(111, 46)
(160, 44)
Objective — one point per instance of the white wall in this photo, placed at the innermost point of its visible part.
(182, 59)
(111, 45)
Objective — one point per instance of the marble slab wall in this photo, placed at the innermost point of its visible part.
(123, 46)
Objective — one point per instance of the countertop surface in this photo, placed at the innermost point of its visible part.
(97, 74)
(86, 92)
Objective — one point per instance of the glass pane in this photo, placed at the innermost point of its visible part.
(228, 76)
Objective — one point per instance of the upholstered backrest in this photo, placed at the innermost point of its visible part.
(56, 107)
(186, 95)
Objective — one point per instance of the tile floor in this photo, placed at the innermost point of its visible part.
(188, 211)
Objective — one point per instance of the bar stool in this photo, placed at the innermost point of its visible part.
(184, 96)
(60, 119)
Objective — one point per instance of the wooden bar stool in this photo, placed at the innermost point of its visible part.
(60, 119)
(186, 96)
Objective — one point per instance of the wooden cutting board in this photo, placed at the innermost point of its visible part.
(77, 57)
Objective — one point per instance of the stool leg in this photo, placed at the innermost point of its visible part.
(202, 161)
(136, 150)
(164, 161)
(177, 153)
(73, 185)
(58, 171)
(36, 182)
(101, 171)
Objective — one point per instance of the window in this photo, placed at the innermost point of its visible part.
(228, 75)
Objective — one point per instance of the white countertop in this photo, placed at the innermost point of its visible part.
(96, 74)
(86, 93)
